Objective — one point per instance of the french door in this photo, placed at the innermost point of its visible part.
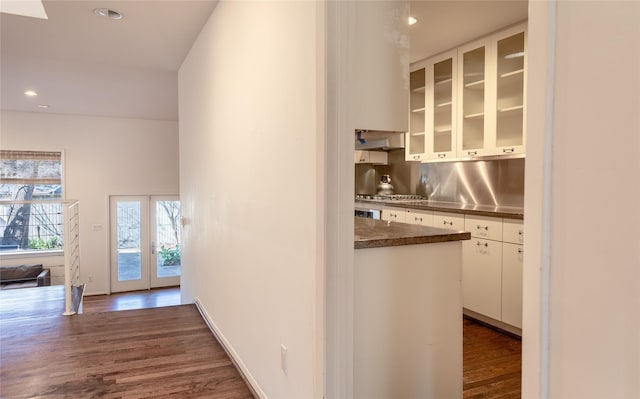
(145, 242)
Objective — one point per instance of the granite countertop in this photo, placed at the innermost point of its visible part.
(371, 233)
(507, 212)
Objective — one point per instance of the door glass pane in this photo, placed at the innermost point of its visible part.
(473, 99)
(129, 249)
(442, 97)
(510, 99)
(168, 238)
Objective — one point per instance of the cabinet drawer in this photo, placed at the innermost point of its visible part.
(361, 156)
(484, 227)
(513, 231)
(371, 157)
(393, 215)
(448, 220)
(423, 218)
(378, 157)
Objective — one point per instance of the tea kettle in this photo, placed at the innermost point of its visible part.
(385, 187)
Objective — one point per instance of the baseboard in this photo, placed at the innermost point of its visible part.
(493, 323)
(253, 385)
(96, 293)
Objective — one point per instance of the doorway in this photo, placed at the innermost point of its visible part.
(145, 242)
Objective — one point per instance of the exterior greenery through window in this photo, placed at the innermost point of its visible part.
(30, 176)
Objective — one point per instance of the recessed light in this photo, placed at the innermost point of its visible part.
(30, 93)
(412, 20)
(107, 13)
(43, 106)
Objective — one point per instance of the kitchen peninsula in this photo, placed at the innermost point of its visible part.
(407, 310)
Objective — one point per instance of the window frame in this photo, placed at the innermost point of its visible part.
(34, 253)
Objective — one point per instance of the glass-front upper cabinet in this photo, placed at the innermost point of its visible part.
(441, 106)
(415, 145)
(473, 117)
(510, 92)
(492, 95)
(432, 121)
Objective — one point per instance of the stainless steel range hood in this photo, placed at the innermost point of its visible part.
(378, 140)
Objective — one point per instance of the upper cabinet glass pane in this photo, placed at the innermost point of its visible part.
(417, 110)
(442, 103)
(510, 91)
(473, 99)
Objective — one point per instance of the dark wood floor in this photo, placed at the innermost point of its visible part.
(491, 362)
(156, 298)
(166, 351)
(149, 353)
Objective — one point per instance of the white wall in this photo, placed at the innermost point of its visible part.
(586, 342)
(250, 171)
(103, 156)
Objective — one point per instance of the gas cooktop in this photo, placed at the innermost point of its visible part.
(390, 197)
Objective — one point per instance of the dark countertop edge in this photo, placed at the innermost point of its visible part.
(394, 242)
(453, 209)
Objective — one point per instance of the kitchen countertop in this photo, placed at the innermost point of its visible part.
(371, 233)
(507, 212)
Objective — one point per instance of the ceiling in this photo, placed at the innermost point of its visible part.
(83, 64)
(80, 63)
(444, 25)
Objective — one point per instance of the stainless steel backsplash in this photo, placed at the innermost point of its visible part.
(494, 182)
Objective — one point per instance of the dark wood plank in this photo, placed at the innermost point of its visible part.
(157, 297)
(147, 353)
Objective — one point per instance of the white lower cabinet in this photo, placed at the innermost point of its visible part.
(445, 220)
(482, 277)
(512, 255)
(484, 227)
(423, 218)
(393, 215)
(492, 259)
(492, 268)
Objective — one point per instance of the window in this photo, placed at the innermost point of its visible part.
(30, 194)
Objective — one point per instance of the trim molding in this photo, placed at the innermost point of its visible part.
(497, 324)
(253, 385)
(547, 201)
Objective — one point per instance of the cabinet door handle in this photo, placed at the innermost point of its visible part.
(442, 155)
(449, 223)
(416, 157)
(472, 153)
(520, 251)
(479, 244)
(417, 219)
(521, 233)
(482, 227)
(508, 150)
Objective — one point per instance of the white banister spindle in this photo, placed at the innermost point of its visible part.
(67, 261)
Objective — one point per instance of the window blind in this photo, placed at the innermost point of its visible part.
(30, 167)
